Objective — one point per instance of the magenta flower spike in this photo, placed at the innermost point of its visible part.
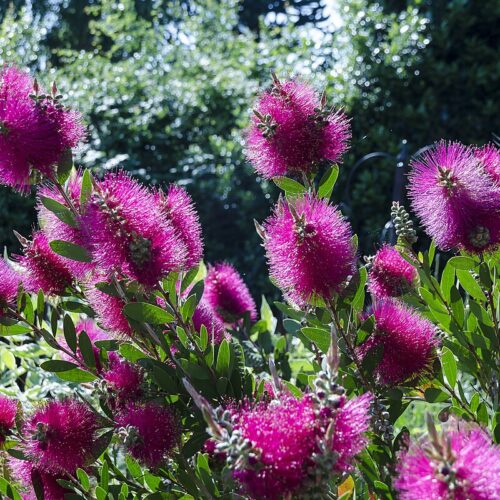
(123, 378)
(178, 207)
(292, 131)
(466, 467)
(8, 411)
(9, 284)
(129, 234)
(309, 249)
(26, 474)
(150, 432)
(109, 310)
(489, 159)
(390, 274)
(60, 436)
(43, 269)
(409, 343)
(455, 199)
(205, 316)
(227, 294)
(34, 133)
(284, 435)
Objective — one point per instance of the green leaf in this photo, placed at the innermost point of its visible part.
(164, 380)
(107, 345)
(485, 276)
(460, 262)
(372, 359)
(203, 342)
(289, 185)
(327, 182)
(319, 336)
(77, 376)
(131, 353)
(470, 285)
(457, 305)
(65, 165)
(188, 307)
(101, 444)
(359, 298)
(100, 493)
(70, 251)
(267, 315)
(69, 332)
(223, 366)
(86, 348)
(57, 365)
(86, 189)
(449, 367)
(447, 280)
(62, 212)
(40, 306)
(104, 477)
(84, 479)
(133, 467)
(147, 313)
(435, 395)
(17, 454)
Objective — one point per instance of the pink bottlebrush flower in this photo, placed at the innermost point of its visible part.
(489, 158)
(24, 472)
(455, 199)
(33, 135)
(204, 316)
(123, 378)
(68, 123)
(27, 139)
(94, 333)
(284, 434)
(150, 432)
(309, 249)
(292, 131)
(56, 229)
(129, 234)
(352, 421)
(9, 284)
(226, 293)
(470, 469)
(60, 436)
(409, 343)
(179, 209)
(109, 310)
(44, 269)
(391, 275)
(8, 412)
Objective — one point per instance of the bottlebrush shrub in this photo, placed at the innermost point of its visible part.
(132, 370)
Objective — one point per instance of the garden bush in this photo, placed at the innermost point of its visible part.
(134, 370)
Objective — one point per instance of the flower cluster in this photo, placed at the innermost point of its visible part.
(227, 295)
(284, 446)
(9, 284)
(390, 274)
(293, 131)
(457, 198)
(149, 432)
(308, 245)
(8, 411)
(461, 464)
(36, 130)
(43, 269)
(407, 340)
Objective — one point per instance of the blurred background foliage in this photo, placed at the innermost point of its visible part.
(166, 87)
